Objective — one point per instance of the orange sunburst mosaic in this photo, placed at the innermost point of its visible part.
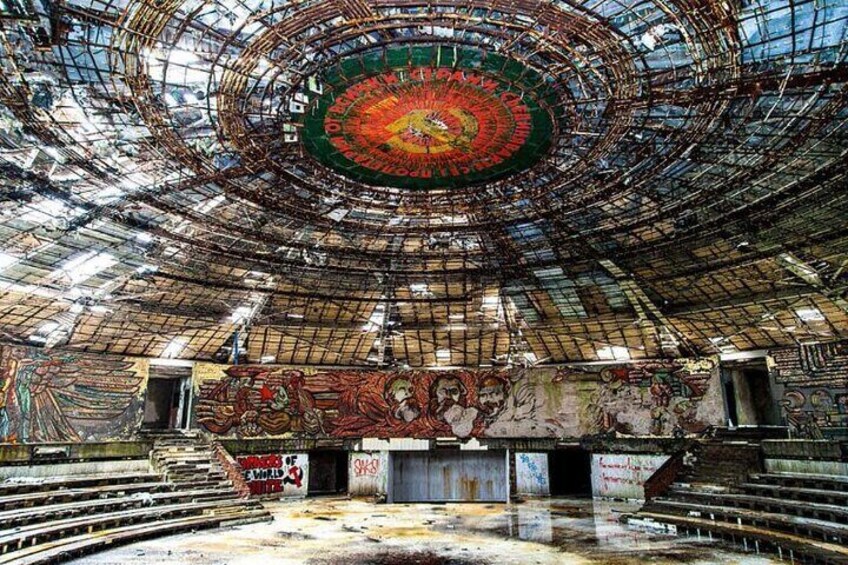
(428, 126)
(447, 123)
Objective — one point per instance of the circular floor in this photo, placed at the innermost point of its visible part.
(340, 531)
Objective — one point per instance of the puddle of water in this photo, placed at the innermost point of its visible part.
(395, 557)
(540, 531)
(293, 535)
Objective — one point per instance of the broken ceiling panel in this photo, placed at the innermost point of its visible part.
(174, 172)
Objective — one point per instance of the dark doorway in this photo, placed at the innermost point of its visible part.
(327, 472)
(161, 405)
(571, 472)
(748, 395)
(730, 398)
(762, 403)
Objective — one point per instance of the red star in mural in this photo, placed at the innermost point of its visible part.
(266, 393)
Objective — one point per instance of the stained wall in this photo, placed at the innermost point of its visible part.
(623, 475)
(638, 399)
(368, 473)
(531, 474)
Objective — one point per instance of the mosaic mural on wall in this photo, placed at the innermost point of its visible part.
(53, 396)
(680, 396)
(636, 399)
(812, 385)
(263, 400)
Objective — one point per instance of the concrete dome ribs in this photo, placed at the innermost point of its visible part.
(411, 183)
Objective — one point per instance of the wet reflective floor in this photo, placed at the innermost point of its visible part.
(336, 531)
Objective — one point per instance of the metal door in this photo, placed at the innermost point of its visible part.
(449, 476)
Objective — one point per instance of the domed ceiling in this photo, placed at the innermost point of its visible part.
(409, 183)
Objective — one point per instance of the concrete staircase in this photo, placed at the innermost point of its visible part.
(722, 463)
(188, 457)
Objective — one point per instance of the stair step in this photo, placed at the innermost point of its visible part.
(87, 543)
(799, 493)
(726, 492)
(38, 533)
(10, 487)
(823, 552)
(816, 529)
(20, 517)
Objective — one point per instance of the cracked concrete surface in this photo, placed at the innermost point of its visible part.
(335, 531)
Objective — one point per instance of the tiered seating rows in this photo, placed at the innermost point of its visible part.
(56, 519)
(807, 514)
(67, 548)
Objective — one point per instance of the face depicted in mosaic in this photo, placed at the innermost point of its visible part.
(400, 396)
(445, 394)
(491, 397)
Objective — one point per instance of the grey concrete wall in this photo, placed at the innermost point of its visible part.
(51, 470)
(623, 476)
(532, 476)
(368, 473)
(838, 468)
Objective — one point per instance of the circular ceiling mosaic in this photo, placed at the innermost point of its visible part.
(427, 126)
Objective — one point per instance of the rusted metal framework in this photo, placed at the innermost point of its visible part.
(158, 200)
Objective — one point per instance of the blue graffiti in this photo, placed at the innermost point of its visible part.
(533, 469)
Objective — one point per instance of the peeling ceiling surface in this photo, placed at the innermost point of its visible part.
(420, 183)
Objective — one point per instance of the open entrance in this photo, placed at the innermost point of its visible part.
(161, 405)
(571, 472)
(168, 398)
(763, 406)
(327, 472)
(748, 395)
(448, 476)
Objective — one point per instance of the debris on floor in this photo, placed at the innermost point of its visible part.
(336, 531)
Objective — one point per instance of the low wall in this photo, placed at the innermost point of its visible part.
(51, 470)
(21, 454)
(368, 474)
(623, 476)
(532, 476)
(806, 449)
(838, 468)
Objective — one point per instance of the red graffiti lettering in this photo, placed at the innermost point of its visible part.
(260, 462)
(366, 467)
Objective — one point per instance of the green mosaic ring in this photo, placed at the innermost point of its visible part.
(429, 118)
